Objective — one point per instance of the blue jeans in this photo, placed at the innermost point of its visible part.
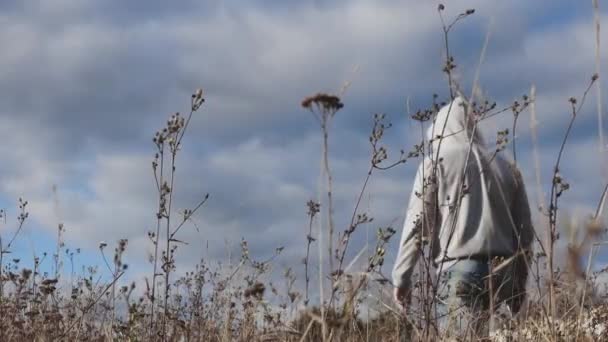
(468, 293)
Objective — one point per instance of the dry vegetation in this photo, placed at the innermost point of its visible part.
(239, 302)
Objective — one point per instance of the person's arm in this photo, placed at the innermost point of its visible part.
(420, 217)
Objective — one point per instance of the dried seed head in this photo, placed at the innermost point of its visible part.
(324, 101)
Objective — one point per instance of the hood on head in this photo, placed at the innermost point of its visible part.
(459, 125)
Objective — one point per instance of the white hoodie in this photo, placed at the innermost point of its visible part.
(494, 215)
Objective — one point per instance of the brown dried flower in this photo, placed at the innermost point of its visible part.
(330, 103)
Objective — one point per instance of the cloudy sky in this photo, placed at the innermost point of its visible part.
(85, 84)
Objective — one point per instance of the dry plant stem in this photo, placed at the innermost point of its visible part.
(305, 334)
(540, 196)
(330, 207)
(354, 215)
(448, 70)
(374, 164)
(113, 290)
(553, 225)
(600, 120)
(435, 164)
(1, 276)
(594, 247)
(446, 31)
(58, 250)
(188, 216)
(513, 137)
(492, 291)
(482, 55)
(441, 136)
(321, 275)
(172, 134)
(168, 252)
(486, 115)
(553, 206)
(324, 107)
(458, 199)
(4, 250)
(600, 206)
(346, 237)
(158, 224)
(435, 158)
(449, 59)
(91, 305)
(426, 278)
(307, 259)
(534, 134)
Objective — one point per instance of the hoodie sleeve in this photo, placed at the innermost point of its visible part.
(421, 213)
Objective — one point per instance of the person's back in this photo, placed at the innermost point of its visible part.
(472, 206)
(481, 202)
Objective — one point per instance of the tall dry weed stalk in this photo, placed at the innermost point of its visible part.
(168, 142)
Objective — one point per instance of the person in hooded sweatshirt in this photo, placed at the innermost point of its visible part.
(469, 208)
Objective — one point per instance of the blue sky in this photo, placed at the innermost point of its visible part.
(85, 84)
